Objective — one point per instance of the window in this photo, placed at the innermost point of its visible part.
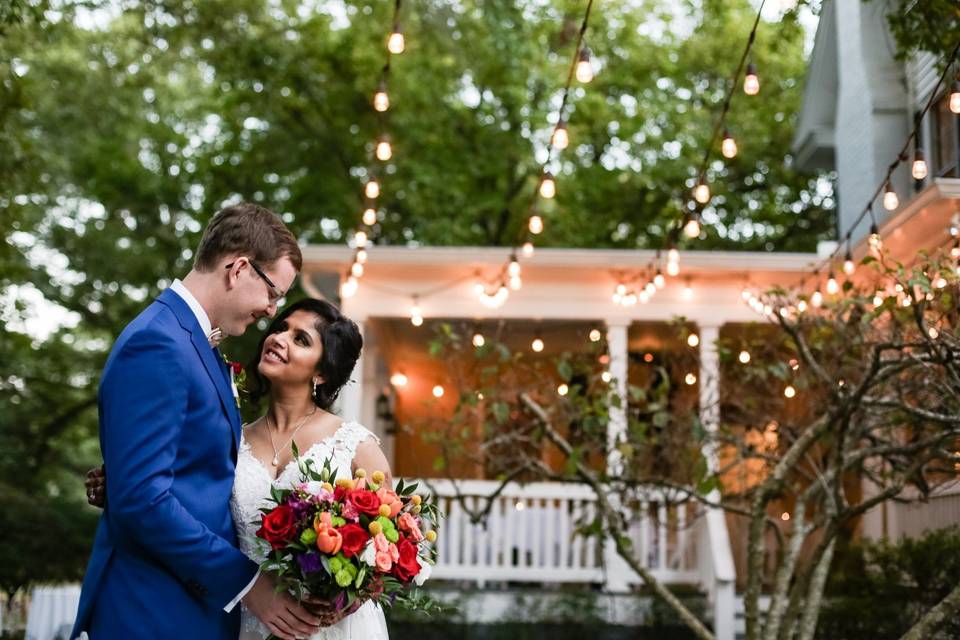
(946, 140)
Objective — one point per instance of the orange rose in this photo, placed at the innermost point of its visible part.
(408, 523)
(329, 539)
(391, 499)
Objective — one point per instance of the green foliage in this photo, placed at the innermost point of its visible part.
(878, 590)
(931, 25)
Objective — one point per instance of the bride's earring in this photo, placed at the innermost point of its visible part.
(316, 386)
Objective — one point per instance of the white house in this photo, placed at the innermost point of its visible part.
(859, 105)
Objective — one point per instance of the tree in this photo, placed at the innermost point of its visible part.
(875, 371)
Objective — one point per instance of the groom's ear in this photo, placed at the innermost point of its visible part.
(232, 269)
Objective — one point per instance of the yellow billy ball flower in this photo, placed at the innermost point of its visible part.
(431, 536)
(385, 510)
(346, 483)
(326, 486)
(416, 499)
(360, 473)
(416, 509)
(378, 477)
(374, 528)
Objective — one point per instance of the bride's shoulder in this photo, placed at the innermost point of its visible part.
(352, 433)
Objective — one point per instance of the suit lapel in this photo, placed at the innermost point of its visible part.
(211, 362)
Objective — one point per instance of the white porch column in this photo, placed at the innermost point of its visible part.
(618, 572)
(723, 579)
(351, 396)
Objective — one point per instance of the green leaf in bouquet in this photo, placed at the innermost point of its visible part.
(295, 449)
(399, 489)
(410, 489)
(360, 576)
(325, 561)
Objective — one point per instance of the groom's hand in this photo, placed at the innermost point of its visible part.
(96, 486)
(283, 616)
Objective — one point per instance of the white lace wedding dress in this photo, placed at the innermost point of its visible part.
(251, 491)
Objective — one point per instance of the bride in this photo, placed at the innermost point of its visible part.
(303, 360)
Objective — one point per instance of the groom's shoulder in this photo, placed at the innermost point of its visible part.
(156, 324)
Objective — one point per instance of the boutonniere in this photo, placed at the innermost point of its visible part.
(238, 378)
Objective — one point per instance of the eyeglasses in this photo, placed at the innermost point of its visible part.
(273, 290)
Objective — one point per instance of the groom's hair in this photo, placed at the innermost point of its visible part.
(247, 229)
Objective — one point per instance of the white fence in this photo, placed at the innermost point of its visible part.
(532, 533)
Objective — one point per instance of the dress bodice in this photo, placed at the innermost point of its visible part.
(251, 492)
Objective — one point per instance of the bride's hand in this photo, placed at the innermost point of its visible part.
(96, 485)
(323, 609)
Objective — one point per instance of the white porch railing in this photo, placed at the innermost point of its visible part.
(531, 535)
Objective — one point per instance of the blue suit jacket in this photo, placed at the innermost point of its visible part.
(165, 560)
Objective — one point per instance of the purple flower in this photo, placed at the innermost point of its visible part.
(310, 563)
(301, 506)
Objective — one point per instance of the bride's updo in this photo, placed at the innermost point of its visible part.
(341, 341)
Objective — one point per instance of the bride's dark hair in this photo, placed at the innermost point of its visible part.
(341, 341)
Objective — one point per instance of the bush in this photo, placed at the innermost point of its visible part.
(879, 590)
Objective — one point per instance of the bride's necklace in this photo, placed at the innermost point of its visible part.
(276, 452)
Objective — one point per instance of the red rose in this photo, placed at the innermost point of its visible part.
(365, 501)
(237, 368)
(279, 526)
(407, 566)
(354, 537)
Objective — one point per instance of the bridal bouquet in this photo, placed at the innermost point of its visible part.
(350, 539)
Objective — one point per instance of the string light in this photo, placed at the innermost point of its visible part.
(515, 283)
(349, 287)
(701, 192)
(381, 101)
(790, 391)
(398, 379)
(514, 267)
(548, 187)
(478, 339)
(372, 188)
(537, 344)
(416, 317)
(692, 227)
(673, 262)
(751, 82)
(356, 269)
(848, 266)
(955, 98)
(693, 340)
(584, 71)
(362, 256)
(438, 391)
(563, 389)
(833, 287)
(890, 199)
(561, 138)
(878, 299)
(360, 238)
(658, 280)
(729, 146)
(384, 150)
(606, 376)
(369, 216)
(687, 291)
(395, 43)
(595, 335)
(690, 379)
(744, 357)
(875, 242)
(535, 224)
(527, 249)
(919, 169)
(817, 298)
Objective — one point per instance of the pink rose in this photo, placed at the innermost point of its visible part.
(394, 552)
(380, 543)
(391, 499)
(384, 561)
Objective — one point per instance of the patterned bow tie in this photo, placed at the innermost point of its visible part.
(215, 337)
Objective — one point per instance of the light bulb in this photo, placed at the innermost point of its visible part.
(438, 391)
(802, 306)
(701, 192)
(848, 266)
(875, 242)
(537, 345)
(356, 269)
(360, 238)
(673, 269)
(369, 216)
(919, 170)
(673, 255)
(595, 335)
(751, 82)
(561, 138)
(790, 391)
(535, 224)
(659, 281)
(878, 298)
(690, 379)
(396, 44)
(687, 292)
(513, 269)
(817, 298)
(416, 316)
(349, 287)
(650, 288)
(890, 199)
(693, 340)
(729, 146)
(398, 380)
(416, 320)
(744, 357)
(381, 101)
(563, 389)
(833, 287)
(516, 283)
(584, 70)
(692, 228)
(478, 339)
(384, 150)
(362, 256)
(606, 376)
(955, 98)
(372, 188)
(527, 249)
(621, 289)
(548, 187)
(955, 250)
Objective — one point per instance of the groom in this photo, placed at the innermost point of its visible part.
(165, 562)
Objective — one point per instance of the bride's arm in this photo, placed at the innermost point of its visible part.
(369, 457)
